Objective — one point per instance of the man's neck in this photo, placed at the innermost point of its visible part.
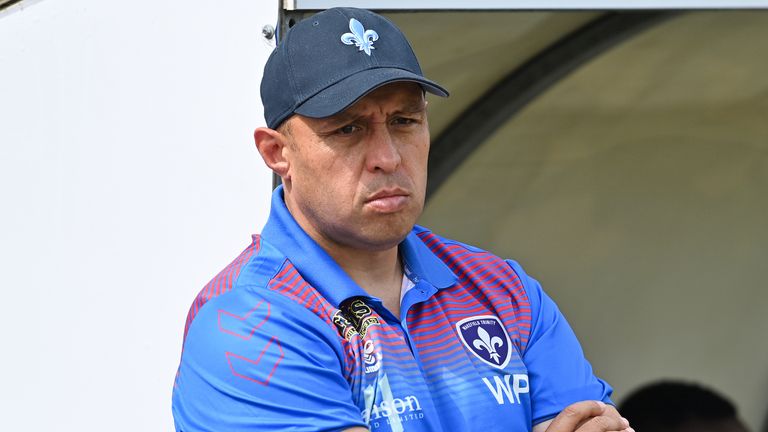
(379, 273)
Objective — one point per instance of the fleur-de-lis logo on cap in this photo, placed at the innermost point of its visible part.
(361, 37)
(488, 343)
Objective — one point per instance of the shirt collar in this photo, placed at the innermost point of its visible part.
(421, 263)
(322, 272)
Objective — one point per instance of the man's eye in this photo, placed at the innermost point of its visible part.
(404, 121)
(347, 130)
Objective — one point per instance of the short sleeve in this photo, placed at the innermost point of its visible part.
(558, 372)
(263, 364)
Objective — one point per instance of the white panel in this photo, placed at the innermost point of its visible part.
(128, 178)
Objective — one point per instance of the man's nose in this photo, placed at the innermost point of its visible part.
(383, 151)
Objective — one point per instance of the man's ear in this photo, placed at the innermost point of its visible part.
(271, 145)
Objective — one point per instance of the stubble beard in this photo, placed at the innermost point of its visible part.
(376, 232)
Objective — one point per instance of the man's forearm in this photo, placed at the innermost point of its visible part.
(586, 416)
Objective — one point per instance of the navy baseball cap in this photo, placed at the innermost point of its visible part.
(328, 61)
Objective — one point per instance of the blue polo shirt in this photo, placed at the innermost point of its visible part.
(283, 339)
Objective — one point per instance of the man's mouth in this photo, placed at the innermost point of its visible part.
(388, 200)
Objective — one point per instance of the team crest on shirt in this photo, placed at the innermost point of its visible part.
(486, 338)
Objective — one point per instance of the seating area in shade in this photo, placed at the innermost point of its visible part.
(634, 187)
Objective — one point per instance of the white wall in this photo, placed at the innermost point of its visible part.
(128, 178)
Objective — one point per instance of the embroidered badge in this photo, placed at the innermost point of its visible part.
(344, 326)
(354, 317)
(360, 314)
(360, 37)
(486, 338)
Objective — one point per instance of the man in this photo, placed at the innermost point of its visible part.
(344, 316)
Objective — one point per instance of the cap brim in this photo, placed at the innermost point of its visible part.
(338, 97)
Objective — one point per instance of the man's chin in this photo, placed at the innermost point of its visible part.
(380, 232)
(385, 243)
(384, 238)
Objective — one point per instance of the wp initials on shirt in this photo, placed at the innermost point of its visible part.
(511, 386)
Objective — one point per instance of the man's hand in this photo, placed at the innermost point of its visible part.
(586, 416)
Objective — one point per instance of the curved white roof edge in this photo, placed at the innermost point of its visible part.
(530, 4)
(8, 7)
